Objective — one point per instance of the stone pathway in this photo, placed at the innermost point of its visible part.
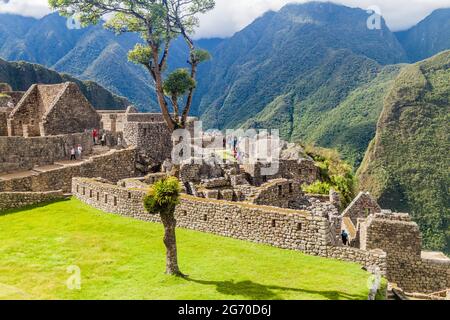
(98, 150)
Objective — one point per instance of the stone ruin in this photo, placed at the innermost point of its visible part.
(38, 127)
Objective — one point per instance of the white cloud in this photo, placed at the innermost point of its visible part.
(230, 16)
(30, 8)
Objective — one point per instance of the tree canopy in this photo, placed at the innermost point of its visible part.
(158, 22)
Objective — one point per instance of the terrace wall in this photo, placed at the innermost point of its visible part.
(283, 228)
(114, 166)
(19, 153)
(14, 200)
(400, 238)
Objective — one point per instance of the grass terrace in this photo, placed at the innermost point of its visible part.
(122, 258)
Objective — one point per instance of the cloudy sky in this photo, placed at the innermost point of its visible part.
(230, 16)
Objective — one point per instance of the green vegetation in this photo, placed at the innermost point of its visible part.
(407, 165)
(334, 174)
(158, 23)
(122, 258)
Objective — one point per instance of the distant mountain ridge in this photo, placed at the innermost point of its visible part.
(21, 75)
(91, 53)
(292, 68)
(428, 37)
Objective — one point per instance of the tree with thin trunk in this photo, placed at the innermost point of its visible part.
(158, 22)
(162, 199)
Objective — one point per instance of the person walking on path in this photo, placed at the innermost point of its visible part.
(72, 154)
(80, 152)
(103, 140)
(344, 236)
(95, 135)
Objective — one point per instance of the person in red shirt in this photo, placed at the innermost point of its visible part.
(95, 135)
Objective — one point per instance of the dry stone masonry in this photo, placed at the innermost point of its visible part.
(14, 200)
(38, 128)
(283, 228)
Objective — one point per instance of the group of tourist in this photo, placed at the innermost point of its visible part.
(76, 152)
(99, 138)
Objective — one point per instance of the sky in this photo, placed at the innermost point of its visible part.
(230, 16)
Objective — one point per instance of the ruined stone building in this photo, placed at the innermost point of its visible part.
(46, 110)
(225, 198)
(8, 99)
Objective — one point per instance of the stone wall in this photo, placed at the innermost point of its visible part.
(14, 200)
(4, 113)
(114, 166)
(19, 153)
(153, 142)
(51, 110)
(303, 171)
(144, 117)
(400, 238)
(361, 207)
(71, 112)
(283, 228)
(112, 121)
(277, 193)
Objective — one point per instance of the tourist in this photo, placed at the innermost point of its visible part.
(344, 236)
(235, 144)
(95, 135)
(72, 154)
(80, 151)
(119, 142)
(103, 140)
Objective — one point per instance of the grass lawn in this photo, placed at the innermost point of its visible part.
(122, 258)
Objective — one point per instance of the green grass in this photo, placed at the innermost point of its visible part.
(122, 258)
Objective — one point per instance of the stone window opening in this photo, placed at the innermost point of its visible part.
(145, 131)
(299, 227)
(98, 196)
(106, 198)
(91, 193)
(274, 223)
(205, 217)
(129, 195)
(280, 190)
(84, 191)
(78, 188)
(291, 188)
(115, 201)
(184, 212)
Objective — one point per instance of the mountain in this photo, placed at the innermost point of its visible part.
(293, 68)
(313, 70)
(91, 53)
(429, 37)
(407, 164)
(21, 75)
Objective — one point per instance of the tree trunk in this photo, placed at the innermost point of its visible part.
(170, 241)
